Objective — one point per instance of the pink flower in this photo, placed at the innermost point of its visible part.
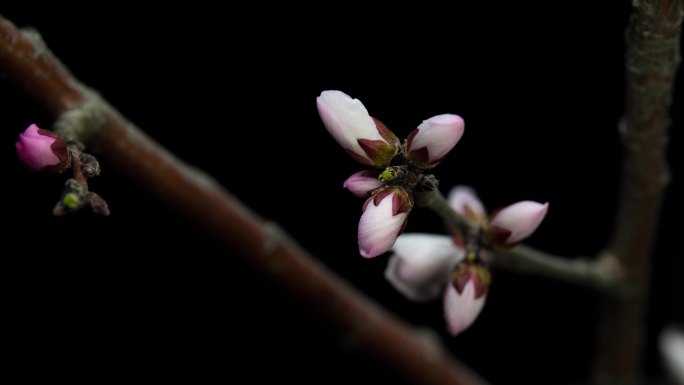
(366, 139)
(433, 139)
(507, 226)
(671, 343)
(363, 183)
(422, 264)
(384, 217)
(465, 296)
(41, 150)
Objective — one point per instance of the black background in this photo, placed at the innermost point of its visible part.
(143, 294)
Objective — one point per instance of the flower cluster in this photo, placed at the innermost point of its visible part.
(46, 151)
(423, 266)
(397, 168)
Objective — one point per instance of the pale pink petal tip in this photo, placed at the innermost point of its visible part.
(422, 264)
(379, 228)
(362, 183)
(521, 219)
(671, 344)
(434, 138)
(464, 201)
(461, 310)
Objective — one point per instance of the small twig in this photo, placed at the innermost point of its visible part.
(603, 274)
(77, 167)
(204, 202)
(435, 201)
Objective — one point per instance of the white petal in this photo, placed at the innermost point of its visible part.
(347, 120)
(672, 347)
(438, 135)
(464, 199)
(461, 310)
(422, 264)
(378, 228)
(521, 219)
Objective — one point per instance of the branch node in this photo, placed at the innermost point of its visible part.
(77, 125)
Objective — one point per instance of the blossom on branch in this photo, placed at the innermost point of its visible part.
(363, 183)
(424, 266)
(398, 169)
(508, 226)
(42, 150)
(433, 139)
(366, 139)
(465, 296)
(384, 217)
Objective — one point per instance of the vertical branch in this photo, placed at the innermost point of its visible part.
(652, 59)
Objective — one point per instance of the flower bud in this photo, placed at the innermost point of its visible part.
(363, 183)
(516, 222)
(366, 139)
(465, 296)
(428, 144)
(42, 150)
(464, 201)
(384, 217)
(422, 264)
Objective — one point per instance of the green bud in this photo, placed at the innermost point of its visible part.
(392, 173)
(71, 200)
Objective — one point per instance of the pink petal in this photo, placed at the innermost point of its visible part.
(521, 219)
(378, 227)
(464, 200)
(347, 120)
(362, 183)
(434, 138)
(461, 310)
(422, 264)
(671, 344)
(35, 150)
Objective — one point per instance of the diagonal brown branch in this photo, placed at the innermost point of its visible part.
(652, 59)
(26, 61)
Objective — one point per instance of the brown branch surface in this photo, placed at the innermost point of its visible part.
(652, 59)
(26, 61)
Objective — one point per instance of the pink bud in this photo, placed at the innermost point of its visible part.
(434, 138)
(422, 264)
(465, 296)
(383, 219)
(363, 183)
(367, 140)
(41, 149)
(518, 220)
(671, 344)
(464, 201)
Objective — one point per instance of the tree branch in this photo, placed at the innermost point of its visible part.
(98, 125)
(652, 59)
(603, 273)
